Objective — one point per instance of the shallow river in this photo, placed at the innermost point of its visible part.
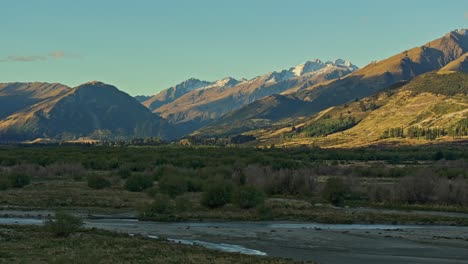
(323, 243)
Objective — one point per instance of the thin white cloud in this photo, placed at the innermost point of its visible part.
(25, 58)
(54, 55)
(57, 54)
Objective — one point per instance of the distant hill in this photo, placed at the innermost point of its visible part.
(93, 108)
(17, 96)
(206, 104)
(434, 103)
(255, 115)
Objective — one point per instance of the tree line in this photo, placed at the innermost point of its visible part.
(460, 129)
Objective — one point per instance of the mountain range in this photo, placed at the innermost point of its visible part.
(195, 103)
(449, 51)
(331, 104)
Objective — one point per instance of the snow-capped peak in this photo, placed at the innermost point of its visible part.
(308, 66)
(226, 81)
(190, 84)
(462, 31)
(343, 63)
(316, 65)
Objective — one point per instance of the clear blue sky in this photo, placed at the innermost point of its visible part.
(143, 46)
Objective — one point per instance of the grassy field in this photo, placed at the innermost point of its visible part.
(25, 244)
(185, 183)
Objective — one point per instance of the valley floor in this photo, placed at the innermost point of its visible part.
(385, 205)
(33, 244)
(300, 241)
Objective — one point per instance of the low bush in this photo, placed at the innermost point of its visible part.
(162, 204)
(138, 183)
(282, 181)
(418, 188)
(173, 185)
(124, 172)
(64, 224)
(98, 182)
(335, 191)
(264, 212)
(72, 170)
(18, 180)
(247, 197)
(4, 183)
(182, 204)
(216, 195)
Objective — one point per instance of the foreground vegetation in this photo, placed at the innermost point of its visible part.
(32, 244)
(184, 183)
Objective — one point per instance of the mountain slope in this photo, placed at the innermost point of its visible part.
(17, 96)
(437, 101)
(142, 98)
(379, 75)
(204, 105)
(169, 95)
(373, 78)
(459, 65)
(254, 115)
(90, 109)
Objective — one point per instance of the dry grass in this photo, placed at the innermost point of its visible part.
(63, 193)
(401, 110)
(35, 245)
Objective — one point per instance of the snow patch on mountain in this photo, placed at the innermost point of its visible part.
(226, 82)
(316, 65)
(462, 31)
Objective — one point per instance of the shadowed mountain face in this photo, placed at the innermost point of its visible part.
(17, 96)
(90, 109)
(142, 98)
(458, 65)
(255, 115)
(366, 81)
(205, 104)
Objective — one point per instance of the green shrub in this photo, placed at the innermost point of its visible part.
(4, 183)
(173, 185)
(264, 212)
(216, 195)
(78, 178)
(162, 204)
(18, 180)
(247, 197)
(152, 191)
(335, 191)
(163, 170)
(138, 183)
(183, 204)
(194, 185)
(98, 182)
(64, 224)
(124, 172)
